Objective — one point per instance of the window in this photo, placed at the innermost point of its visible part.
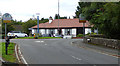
(51, 31)
(68, 31)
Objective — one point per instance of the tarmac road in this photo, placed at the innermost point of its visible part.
(60, 51)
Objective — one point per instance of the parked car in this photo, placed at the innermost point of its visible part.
(16, 34)
(45, 35)
(57, 35)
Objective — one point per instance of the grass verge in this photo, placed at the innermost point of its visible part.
(38, 38)
(11, 53)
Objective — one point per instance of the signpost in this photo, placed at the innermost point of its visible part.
(6, 19)
(82, 20)
(38, 23)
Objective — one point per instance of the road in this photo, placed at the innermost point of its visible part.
(60, 51)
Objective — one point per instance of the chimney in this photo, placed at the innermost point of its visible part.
(50, 19)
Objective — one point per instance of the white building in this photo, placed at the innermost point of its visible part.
(65, 26)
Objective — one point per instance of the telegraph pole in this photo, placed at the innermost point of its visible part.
(58, 17)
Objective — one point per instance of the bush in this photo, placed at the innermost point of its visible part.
(80, 35)
(99, 35)
(91, 33)
(38, 35)
(88, 34)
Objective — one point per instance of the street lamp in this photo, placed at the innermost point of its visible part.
(82, 20)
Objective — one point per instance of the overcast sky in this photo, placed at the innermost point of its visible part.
(25, 9)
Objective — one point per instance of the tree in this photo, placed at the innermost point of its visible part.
(30, 23)
(104, 16)
(9, 27)
(43, 20)
(56, 17)
(80, 6)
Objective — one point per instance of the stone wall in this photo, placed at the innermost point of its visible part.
(113, 43)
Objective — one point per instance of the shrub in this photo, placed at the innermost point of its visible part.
(80, 35)
(91, 33)
(38, 35)
(88, 34)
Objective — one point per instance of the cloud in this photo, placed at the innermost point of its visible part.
(24, 9)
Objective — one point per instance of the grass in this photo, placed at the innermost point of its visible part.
(38, 38)
(11, 52)
(0, 49)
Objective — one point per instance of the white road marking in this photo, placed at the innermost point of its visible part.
(76, 58)
(22, 56)
(16, 53)
(39, 41)
(42, 41)
(45, 44)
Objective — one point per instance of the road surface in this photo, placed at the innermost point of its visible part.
(60, 51)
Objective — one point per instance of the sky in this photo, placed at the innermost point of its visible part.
(25, 9)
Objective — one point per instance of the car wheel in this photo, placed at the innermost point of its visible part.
(25, 36)
(16, 36)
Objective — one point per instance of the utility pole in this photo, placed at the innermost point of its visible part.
(58, 17)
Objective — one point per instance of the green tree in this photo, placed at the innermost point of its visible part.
(30, 23)
(43, 20)
(104, 16)
(9, 27)
(56, 16)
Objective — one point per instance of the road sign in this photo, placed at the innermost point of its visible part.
(7, 18)
(82, 18)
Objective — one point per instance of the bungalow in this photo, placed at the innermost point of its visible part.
(65, 26)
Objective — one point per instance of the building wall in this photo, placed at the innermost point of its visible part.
(56, 31)
(47, 31)
(74, 32)
(63, 31)
(95, 30)
(34, 31)
(87, 30)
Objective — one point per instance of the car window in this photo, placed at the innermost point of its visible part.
(15, 32)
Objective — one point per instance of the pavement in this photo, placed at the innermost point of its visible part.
(96, 48)
(1, 60)
(62, 51)
(0, 63)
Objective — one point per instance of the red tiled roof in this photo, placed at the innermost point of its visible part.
(63, 23)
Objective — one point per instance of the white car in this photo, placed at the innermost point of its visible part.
(16, 34)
